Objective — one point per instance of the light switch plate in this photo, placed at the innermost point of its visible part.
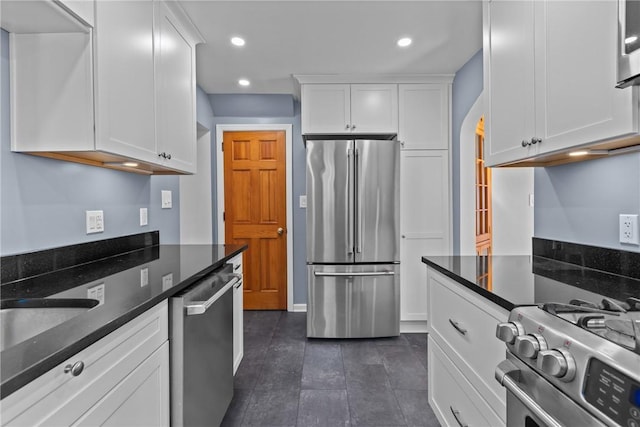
(94, 221)
(166, 199)
(144, 217)
(144, 277)
(303, 201)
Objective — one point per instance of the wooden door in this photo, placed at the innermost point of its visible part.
(255, 213)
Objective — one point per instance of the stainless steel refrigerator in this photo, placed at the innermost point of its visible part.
(353, 204)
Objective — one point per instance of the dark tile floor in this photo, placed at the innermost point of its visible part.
(286, 379)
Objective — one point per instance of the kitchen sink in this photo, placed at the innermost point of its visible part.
(21, 319)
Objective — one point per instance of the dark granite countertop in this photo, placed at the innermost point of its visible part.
(171, 268)
(527, 280)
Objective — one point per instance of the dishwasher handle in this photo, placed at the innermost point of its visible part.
(201, 307)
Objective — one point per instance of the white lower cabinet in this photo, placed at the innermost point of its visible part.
(238, 312)
(462, 338)
(452, 398)
(125, 381)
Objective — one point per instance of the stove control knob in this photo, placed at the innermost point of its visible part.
(558, 363)
(508, 331)
(530, 345)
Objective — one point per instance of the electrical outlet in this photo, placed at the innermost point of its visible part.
(167, 281)
(629, 229)
(96, 292)
(95, 221)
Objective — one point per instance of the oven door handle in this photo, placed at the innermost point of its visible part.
(505, 373)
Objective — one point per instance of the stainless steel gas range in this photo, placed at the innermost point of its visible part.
(575, 364)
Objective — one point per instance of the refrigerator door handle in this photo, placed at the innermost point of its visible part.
(350, 214)
(358, 213)
(370, 273)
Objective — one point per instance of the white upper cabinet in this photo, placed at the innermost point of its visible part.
(124, 66)
(423, 116)
(374, 108)
(176, 92)
(326, 108)
(129, 87)
(349, 108)
(508, 80)
(550, 76)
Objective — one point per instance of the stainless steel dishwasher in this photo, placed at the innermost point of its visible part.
(201, 347)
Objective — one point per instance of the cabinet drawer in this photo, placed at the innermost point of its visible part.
(58, 398)
(237, 263)
(452, 397)
(464, 325)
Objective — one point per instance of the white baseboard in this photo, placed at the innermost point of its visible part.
(299, 308)
(413, 326)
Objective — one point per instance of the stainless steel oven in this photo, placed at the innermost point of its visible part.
(575, 364)
(628, 43)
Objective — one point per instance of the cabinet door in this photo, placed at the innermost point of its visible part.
(57, 398)
(576, 56)
(176, 93)
(508, 80)
(140, 399)
(374, 108)
(238, 315)
(326, 108)
(124, 70)
(425, 224)
(423, 116)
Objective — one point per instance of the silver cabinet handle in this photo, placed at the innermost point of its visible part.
(200, 307)
(525, 143)
(456, 415)
(353, 127)
(535, 140)
(457, 327)
(238, 284)
(347, 126)
(372, 273)
(75, 369)
(504, 373)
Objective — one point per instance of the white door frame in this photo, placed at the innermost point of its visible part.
(288, 129)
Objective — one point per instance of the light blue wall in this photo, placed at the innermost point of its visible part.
(580, 202)
(43, 201)
(467, 86)
(266, 106)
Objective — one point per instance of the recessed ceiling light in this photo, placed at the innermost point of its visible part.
(244, 82)
(631, 39)
(404, 42)
(237, 41)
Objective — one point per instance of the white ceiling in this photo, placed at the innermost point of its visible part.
(284, 38)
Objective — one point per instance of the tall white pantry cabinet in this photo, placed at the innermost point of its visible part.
(418, 111)
(425, 192)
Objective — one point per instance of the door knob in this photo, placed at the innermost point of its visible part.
(280, 231)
